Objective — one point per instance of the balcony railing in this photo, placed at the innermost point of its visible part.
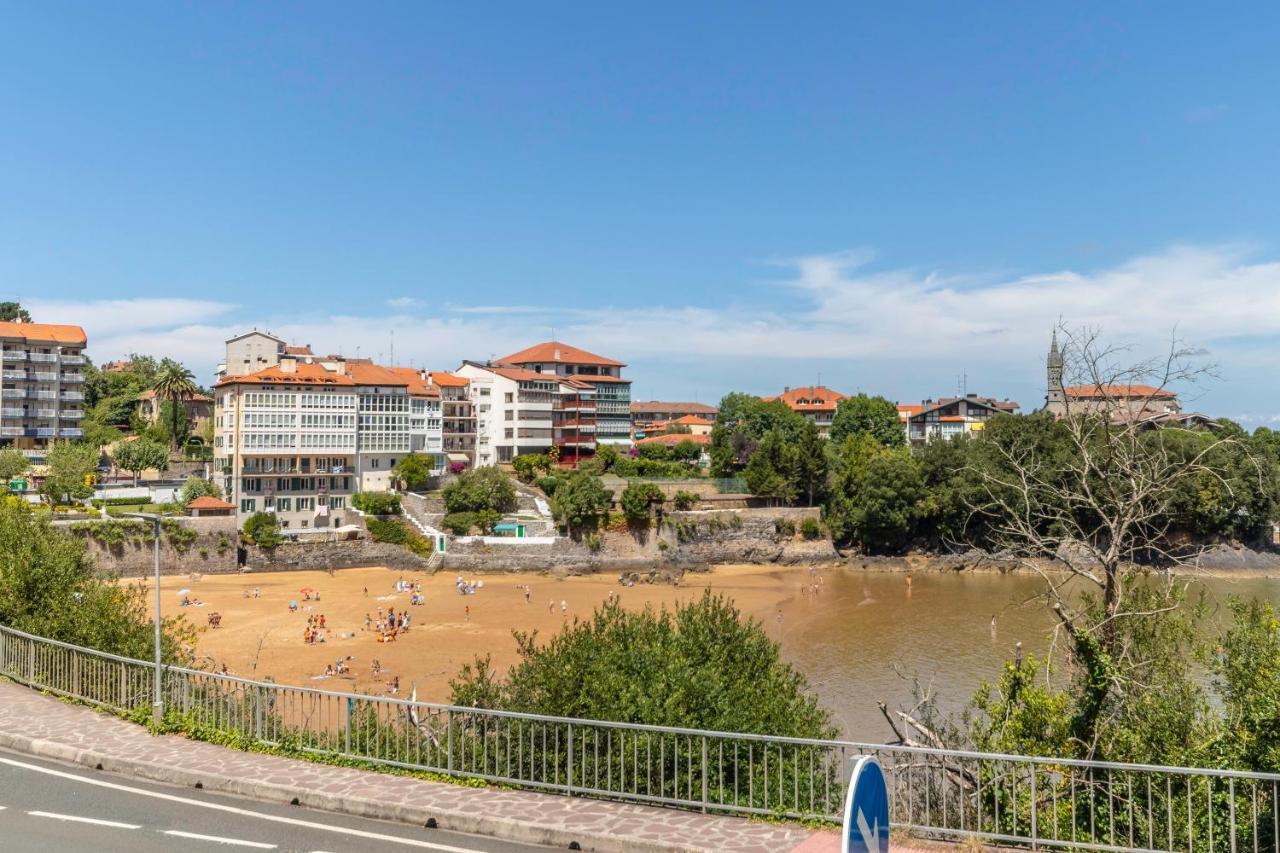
(13, 413)
(73, 396)
(46, 413)
(73, 378)
(74, 432)
(43, 357)
(20, 375)
(44, 377)
(42, 395)
(72, 359)
(15, 355)
(71, 414)
(9, 430)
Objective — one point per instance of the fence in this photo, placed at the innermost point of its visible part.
(1042, 802)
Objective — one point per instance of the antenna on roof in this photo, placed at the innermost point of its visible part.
(393, 347)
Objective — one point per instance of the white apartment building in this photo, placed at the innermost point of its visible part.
(42, 392)
(521, 411)
(612, 412)
(300, 437)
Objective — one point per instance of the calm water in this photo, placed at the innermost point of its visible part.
(864, 636)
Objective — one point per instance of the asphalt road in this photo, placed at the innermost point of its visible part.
(48, 807)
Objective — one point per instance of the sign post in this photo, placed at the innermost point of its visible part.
(866, 810)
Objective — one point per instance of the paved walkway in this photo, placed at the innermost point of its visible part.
(40, 725)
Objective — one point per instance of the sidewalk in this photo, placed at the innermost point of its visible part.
(44, 726)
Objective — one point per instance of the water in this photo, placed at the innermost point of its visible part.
(866, 635)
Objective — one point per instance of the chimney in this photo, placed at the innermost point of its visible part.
(556, 354)
(288, 364)
(786, 389)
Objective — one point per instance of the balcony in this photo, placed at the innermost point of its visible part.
(33, 394)
(13, 413)
(71, 414)
(20, 375)
(15, 355)
(74, 432)
(44, 432)
(35, 454)
(43, 357)
(10, 430)
(46, 413)
(73, 378)
(72, 396)
(45, 377)
(72, 359)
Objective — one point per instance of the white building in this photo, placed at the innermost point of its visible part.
(612, 421)
(42, 394)
(522, 411)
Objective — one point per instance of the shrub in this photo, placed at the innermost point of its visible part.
(685, 500)
(387, 530)
(263, 529)
(637, 500)
(376, 503)
(784, 527)
(459, 523)
(414, 471)
(594, 542)
(580, 501)
(528, 466)
(810, 528)
(548, 484)
(198, 487)
(483, 488)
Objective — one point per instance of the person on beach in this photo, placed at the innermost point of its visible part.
(466, 611)
(564, 607)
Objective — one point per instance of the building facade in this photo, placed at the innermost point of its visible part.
(1124, 402)
(458, 418)
(612, 398)
(520, 411)
(951, 417)
(816, 402)
(656, 411)
(42, 392)
(198, 409)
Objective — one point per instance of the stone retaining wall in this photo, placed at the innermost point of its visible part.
(213, 551)
(322, 556)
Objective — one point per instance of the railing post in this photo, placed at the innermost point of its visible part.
(4, 661)
(257, 713)
(75, 675)
(704, 773)
(347, 733)
(571, 760)
(1034, 810)
(449, 741)
(31, 662)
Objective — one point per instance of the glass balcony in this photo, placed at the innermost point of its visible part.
(13, 413)
(75, 432)
(71, 414)
(72, 359)
(72, 396)
(46, 413)
(11, 430)
(45, 377)
(33, 394)
(73, 378)
(20, 375)
(43, 357)
(15, 355)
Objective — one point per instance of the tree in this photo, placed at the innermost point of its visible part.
(1097, 511)
(415, 471)
(198, 487)
(12, 312)
(527, 466)
(864, 415)
(175, 384)
(71, 470)
(262, 529)
(484, 488)
(743, 420)
(637, 501)
(875, 503)
(770, 473)
(137, 456)
(686, 451)
(580, 500)
(12, 463)
(700, 666)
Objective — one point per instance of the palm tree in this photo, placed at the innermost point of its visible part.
(176, 384)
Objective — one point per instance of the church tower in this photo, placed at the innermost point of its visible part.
(1055, 398)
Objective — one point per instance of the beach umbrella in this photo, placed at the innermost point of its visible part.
(305, 590)
(183, 591)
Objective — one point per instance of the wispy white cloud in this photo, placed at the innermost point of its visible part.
(405, 302)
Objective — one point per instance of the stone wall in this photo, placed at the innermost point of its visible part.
(213, 551)
(322, 556)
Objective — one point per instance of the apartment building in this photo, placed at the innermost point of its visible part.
(950, 417)
(520, 411)
(298, 438)
(458, 418)
(612, 398)
(42, 392)
(816, 402)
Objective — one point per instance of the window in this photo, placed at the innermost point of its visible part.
(248, 505)
(510, 415)
(284, 504)
(306, 505)
(508, 397)
(508, 432)
(373, 463)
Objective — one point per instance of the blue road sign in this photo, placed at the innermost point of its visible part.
(866, 810)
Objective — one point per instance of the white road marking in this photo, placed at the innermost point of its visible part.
(218, 839)
(93, 820)
(290, 821)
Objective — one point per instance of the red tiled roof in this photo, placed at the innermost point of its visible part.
(450, 379)
(303, 374)
(825, 397)
(587, 377)
(1121, 392)
(43, 332)
(418, 386)
(298, 350)
(368, 373)
(672, 439)
(209, 502)
(519, 374)
(554, 352)
(693, 420)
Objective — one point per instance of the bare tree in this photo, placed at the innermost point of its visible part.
(1094, 514)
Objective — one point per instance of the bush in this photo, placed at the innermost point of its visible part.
(483, 488)
(685, 500)
(198, 487)
(810, 528)
(376, 503)
(784, 527)
(263, 529)
(386, 530)
(528, 466)
(637, 500)
(548, 484)
(139, 502)
(459, 523)
(580, 501)
(414, 471)
(594, 542)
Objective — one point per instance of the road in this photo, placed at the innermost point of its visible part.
(48, 807)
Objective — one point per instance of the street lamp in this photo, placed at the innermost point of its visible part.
(157, 698)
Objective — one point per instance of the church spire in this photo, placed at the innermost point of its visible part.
(1055, 395)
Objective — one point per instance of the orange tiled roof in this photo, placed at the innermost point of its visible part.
(43, 332)
(209, 502)
(304, 374)
(672, 439)
(587, 377)
(554, 352)
(300, 350)
(659, 407)
(519, 374)
(418, 387)
(450, 379)
(1119, 391)
(816, 398)
(693, 420)
(368, 373)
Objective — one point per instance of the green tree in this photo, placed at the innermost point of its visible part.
(137, 456)
(688, 452)
(198, 487)
(71, 469)
(49, 587)
(12, 312)
(175, 384)
(529, 465)
(771, 472)
(12, 463)
(742, 422)
(876, 498)
(1248, 680)
(483, 488)
(415, 471)
(864, 415)
(263, 529)
(579, 502)
(700, 666)
(637, 501)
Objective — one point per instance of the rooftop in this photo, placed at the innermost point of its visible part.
(43, 332)
(809, 398)
(209, 502)
(554, 352)
(693, 420)
(664, 407)
(1119, 392)
(302, 374)
(672, 439)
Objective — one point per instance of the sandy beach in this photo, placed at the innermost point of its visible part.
(259, 636)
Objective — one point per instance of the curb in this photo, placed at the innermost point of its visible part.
(470, 823)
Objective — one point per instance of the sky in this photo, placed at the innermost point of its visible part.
(901, 200)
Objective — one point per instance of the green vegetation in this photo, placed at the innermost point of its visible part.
(13, 463)
(637, 501)
(874, 417)
(198, 487)
(684, 500)
(12, 312)
(111, 403)
(72, 467)
(414, 471)
(262, 529)
(398, 532)
(482, 489)
(376, 503)
(174, 384)
(580, 501)
(48, 586)
(530, 465)
(652, 460)
(699, 666)
(137, 456)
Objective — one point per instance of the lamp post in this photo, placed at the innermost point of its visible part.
(157, 697)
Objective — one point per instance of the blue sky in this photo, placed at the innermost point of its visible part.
(725, 196)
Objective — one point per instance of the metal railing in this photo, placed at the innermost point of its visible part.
(1041, 802)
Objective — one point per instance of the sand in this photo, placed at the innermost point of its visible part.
(260, 637)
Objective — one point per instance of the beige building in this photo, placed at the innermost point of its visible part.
(42, 393)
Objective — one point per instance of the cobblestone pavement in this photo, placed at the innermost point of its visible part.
(41, 725)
